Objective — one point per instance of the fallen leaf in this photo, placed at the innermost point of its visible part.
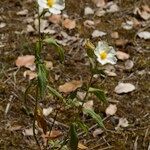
(146, 8)
(56, 19)
(97, 33)
(88, 105)
(70, 86)
(122, 55)
(23, 12)
(110, 74)
(30, 74)
(89, 23)
(69, 24)
(29, 132)
(124, 88)
(81, 146)
(111, 109)
(99, 3)
(47, 111)
(52, 135)
(2, 25)
(15, 128)
(81, 95)
(29, 20)
(30, 29)
(88, 11)
(41, 122)
(144, 14)
(136, 23)
(49, 31)
(97, 132)
(112, 7)
(145, 35)
(110, 70)
(123, 122)
(128, 25)
(26, 61)
(121, 42)
(115, 35)
(100, 12)
(129, 64)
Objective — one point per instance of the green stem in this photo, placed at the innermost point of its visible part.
(89, 85)
(39, 30)
(87, 92)
(35, 115)
(50, 130)
(37, 55)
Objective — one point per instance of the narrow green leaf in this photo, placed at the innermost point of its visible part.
(92, 64)
(38, 50)
(58, 48)
(55, 93)
(42, 78)
(90, 53)
(97, 92)
(73, 137)
(83, 126)
(95, 116)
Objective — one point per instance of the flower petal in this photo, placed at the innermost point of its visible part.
(103, 62)
(43, 3)
(58, 6)
(103, 47)
(54, 11)
(111, 59)
(55, 8)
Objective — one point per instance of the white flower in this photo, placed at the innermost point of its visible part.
(105, 53)
(54, 6)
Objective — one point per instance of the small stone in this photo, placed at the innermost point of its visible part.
(122, 55)
(97, 33)
(124, 88)
(129, 64)
(88, 11)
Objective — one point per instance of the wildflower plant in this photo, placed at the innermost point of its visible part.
(105, 53)
(100, 54)
(53, 6)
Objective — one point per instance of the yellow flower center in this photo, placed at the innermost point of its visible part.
(103, 55)
(50, 3)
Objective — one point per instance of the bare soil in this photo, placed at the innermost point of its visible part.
(134, 106)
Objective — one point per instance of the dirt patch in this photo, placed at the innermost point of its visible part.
(133, 106)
